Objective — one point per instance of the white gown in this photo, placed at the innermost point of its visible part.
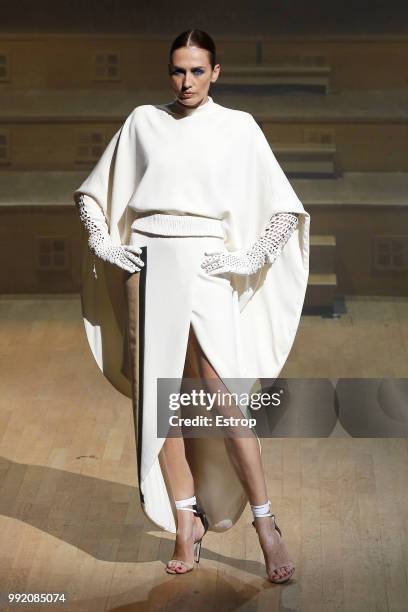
(214, 164)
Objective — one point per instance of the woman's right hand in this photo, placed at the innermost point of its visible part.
(122, 255)
(99, 240)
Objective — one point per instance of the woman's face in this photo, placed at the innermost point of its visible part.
(191, 75)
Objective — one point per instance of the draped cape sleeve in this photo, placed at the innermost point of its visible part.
(111, 185)
(270, 301)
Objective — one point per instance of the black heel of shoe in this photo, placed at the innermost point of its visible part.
(197, 551)
(197, 545)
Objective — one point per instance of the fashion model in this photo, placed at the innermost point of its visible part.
(189, 196)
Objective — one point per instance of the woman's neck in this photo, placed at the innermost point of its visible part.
(180, 109)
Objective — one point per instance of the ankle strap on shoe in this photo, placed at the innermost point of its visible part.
(182, 503)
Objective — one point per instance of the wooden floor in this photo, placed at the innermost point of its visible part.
(70, 519)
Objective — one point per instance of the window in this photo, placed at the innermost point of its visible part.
(390, 253)
(52, 253)
(107, 67)
(90, 145)
(319, 135)
(4, 147)
(4, 67)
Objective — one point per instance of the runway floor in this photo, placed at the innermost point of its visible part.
(70, 519)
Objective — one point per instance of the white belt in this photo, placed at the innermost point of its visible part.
(179, 225)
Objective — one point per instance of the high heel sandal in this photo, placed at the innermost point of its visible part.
(181, 505)
(282, 560)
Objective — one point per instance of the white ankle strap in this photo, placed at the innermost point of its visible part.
(261, 510)
(182, 503)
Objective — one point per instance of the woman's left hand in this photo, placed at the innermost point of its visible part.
(238, 262)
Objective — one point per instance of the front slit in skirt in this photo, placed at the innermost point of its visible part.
(174, 292)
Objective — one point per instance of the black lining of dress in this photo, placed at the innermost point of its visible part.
(142, 309)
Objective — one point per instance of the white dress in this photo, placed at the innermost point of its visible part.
(214, 165)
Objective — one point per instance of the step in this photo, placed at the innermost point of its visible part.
(273, 69)
(317, 279)
(306, 159)
(309, 169)
(322, 240)
(322, 254)
(304, 150)
(321, 291)
(307, 77)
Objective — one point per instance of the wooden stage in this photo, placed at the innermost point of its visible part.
(70, 516)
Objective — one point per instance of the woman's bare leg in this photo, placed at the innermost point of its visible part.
(246, 460)
(173, 458)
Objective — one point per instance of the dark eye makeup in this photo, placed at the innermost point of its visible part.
(181, 70)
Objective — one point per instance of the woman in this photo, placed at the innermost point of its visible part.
(190, 196)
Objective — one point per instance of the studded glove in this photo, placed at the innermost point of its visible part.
(99, 240)
(266, 249)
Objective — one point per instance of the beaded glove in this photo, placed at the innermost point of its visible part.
(99, 240)
(266, 249)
